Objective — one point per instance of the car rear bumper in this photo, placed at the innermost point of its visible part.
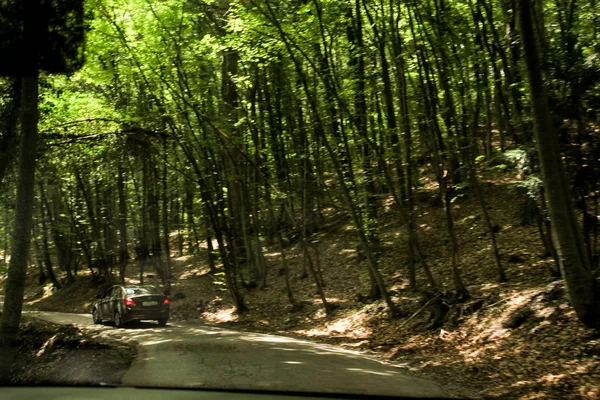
(138, 315)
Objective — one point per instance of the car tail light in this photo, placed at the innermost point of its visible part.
(129, 302)
(166, 301)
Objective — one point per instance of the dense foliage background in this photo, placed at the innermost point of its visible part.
(244, 125)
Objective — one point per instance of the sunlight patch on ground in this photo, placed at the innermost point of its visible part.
(194, 272)
(312, 332)
(521, 383)
(320, 313)
(486, 339)
(282, 349)
(430, 185)
(551, 378)
(48, 343)
(425, 227)
(446, 335)
(182, 258)
(368, 371)
(522, 297)
(389, 203)
(204, 245)
(270, 339)
(353, 326)
(400, 285)
(48, 291)
(223, 315)
(432, 364)
(153, 342)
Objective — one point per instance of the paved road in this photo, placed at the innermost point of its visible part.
(207, 357)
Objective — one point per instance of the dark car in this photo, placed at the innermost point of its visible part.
(125, 303)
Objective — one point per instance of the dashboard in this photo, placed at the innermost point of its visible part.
(131, 393)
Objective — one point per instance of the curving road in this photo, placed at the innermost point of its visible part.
(197, 356)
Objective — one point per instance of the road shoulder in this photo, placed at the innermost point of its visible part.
(50, 353)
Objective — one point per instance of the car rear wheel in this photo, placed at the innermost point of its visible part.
(96, 316)
(162, 322)
(119, 323)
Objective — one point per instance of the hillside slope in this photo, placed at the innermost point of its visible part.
(518, 339)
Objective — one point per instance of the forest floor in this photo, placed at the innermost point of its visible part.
(518, 339)
(50, 353)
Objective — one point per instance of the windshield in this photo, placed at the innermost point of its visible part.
(142, 290)
(353, 197)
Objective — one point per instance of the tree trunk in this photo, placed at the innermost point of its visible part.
(165, 221)
(582, 287)
(45, 259)
(9, 121)
(123, 254)
(154, 222)
(62, 244)
(17, 268)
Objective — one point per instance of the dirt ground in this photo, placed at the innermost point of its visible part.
(50, 353)
(517, 339)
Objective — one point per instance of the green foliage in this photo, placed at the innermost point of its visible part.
(469, 219)
(532, 186)
(517, 158)
(243, 116)
(499, 168)
(219, 282)
(511, 160)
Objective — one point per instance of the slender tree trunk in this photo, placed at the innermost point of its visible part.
(6, 235)
(284, 264)
(192, 233)
(154, 223)
(123, 254)
(165, 222)
(210, 250)
(489, 226)
(9, 122)
(64, 251)
(45, 250)
(39, 259)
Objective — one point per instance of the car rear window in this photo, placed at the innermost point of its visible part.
(142, 290)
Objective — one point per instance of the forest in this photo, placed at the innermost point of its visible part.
(232, 130)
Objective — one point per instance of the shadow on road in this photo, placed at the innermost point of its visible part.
(136, 325)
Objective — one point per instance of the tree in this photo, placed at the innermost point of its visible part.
(17, 268)
(9, 120)
(258, 122)
(33, 22)
(582, 286)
